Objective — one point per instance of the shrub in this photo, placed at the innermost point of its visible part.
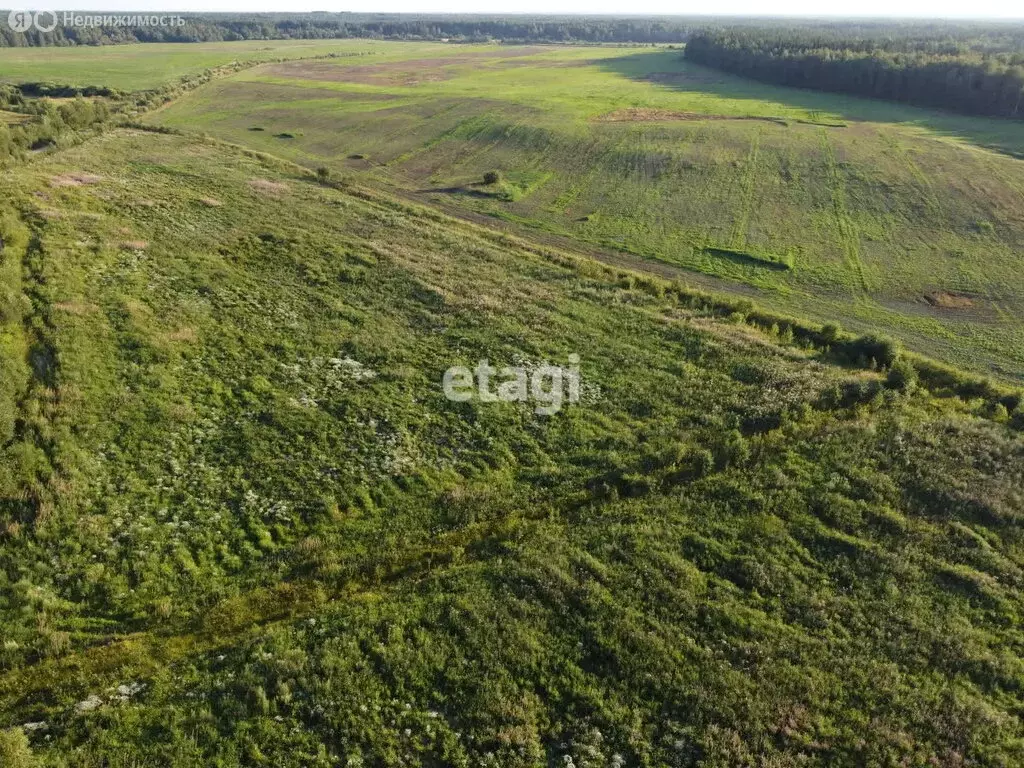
(492, 177)
(902, 376)
(323, 174)
(830, 333)
(871, 347)
(702, 461)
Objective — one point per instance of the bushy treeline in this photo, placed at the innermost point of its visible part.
(47, 121)
(981, 75)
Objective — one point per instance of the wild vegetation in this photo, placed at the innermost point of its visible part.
(240, 514)
(241, 524)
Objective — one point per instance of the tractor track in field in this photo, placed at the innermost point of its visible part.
(747, 186)
(924, 184)
(849, 236)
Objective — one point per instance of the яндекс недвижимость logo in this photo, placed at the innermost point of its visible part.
(47, 21)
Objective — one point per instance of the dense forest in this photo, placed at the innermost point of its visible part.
(981, 74)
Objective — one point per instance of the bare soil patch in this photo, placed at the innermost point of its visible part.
(949, 300)
(209, 202)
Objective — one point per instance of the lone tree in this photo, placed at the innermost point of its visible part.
(492, 177)
(323, 174)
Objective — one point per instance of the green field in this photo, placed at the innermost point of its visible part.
(150, 65)
(892, 217)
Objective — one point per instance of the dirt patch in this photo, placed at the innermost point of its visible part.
(76, 179)
(267, 187)
(209, 202)
(135, 245)
(651, 115)
(945, 300)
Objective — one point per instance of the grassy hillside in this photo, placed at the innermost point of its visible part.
(243, 526)
(872, 214)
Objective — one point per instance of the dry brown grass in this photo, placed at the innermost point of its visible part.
(75, 179)
(79, 308)
(265, 187)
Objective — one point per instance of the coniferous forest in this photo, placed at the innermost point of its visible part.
(982, 75)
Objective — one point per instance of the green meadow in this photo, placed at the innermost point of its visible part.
(881, 216)
(144, 66)
(242, 525)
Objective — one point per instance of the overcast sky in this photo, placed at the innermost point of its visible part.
(907, 8)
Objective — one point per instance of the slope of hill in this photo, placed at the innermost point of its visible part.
(875, 215)
(242, 524)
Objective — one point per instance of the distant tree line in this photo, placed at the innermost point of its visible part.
(213, 27)
(979, 73)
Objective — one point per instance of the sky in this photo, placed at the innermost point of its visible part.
(958, 9)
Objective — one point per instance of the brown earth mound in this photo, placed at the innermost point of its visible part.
(949, 300)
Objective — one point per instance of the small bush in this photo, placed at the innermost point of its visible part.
(492, 177)
(872, 348)
(830, 333)
(702, 462)
(902, 376)
(323, 174)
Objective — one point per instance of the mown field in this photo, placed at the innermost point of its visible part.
(866, 213)
(243, 526)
